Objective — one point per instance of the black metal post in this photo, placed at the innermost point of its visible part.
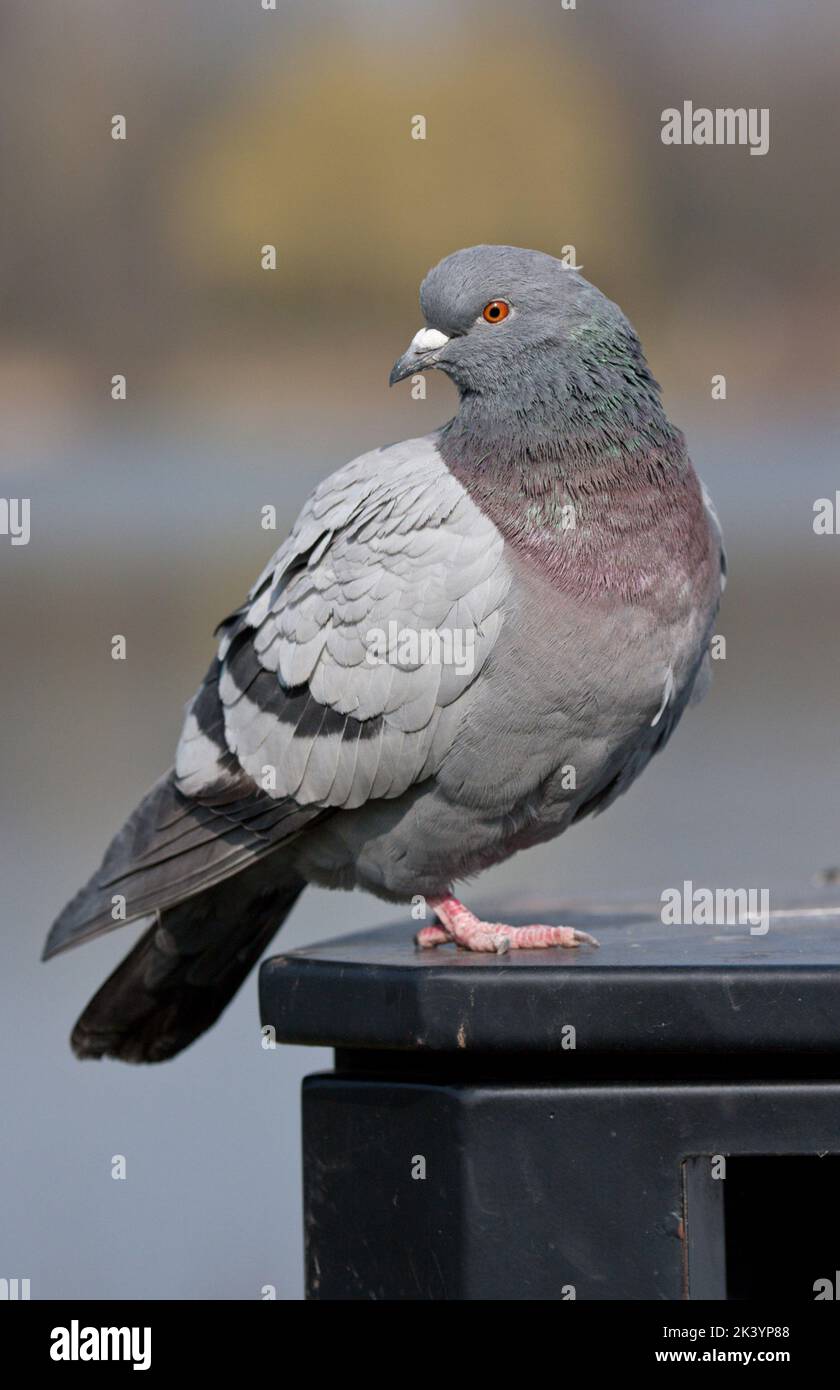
(659, 1119)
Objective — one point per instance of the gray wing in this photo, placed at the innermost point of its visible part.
(339, 680)
(294, 717)
(170, 849)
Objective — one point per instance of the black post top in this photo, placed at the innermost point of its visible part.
(651, 988)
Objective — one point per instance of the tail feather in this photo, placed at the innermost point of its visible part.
(184, 970)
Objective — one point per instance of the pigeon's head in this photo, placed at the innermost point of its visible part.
(498, 315)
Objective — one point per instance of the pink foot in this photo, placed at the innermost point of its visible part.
(460, 925)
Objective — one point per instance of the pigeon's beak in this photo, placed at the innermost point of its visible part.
(423, 351)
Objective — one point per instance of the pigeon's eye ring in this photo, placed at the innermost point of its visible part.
(495, 311)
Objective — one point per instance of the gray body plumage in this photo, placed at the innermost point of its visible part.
(313, 754)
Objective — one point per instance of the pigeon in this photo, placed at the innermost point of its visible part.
(469, 642)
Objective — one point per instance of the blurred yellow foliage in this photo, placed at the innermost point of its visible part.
(523, 146)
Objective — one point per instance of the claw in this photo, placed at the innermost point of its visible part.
(584, 936)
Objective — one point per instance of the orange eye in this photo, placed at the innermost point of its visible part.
(495, 311)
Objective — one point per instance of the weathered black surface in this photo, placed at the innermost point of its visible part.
(589, 1171)
(650, 989)
(553, 1192)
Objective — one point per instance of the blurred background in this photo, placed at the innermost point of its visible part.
(245, 386)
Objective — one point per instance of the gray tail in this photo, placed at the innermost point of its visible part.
(184, 970)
